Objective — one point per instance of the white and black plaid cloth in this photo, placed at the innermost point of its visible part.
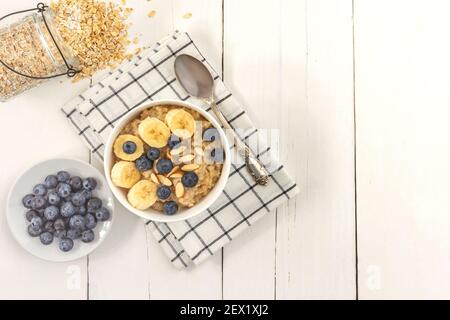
(150, 76)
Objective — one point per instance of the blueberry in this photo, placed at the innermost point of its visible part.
(164, 166)
(64, 190)
(38, 202)
(93, 205)
(30, 215)
(63, 176)
(37, 223)
(59, 224)
(60, 234)
(65, 244)
(53, 198)
(189, 179)
(67, 209)
(210, 134)
(217, 155)
(102, 214)
(143, 163)
(34, 232)
(27, 200)
(153, 153)
(51, 213)
(73, 234)
(49, 227)
(87, 194)
(76, 222)
(173, 141)
(46, 238)
(76, 183)
(89, 184)
(40, 190)
(91, 222)
(51, 181)
(170, 208)
(129, 147)
(163, 192)
(87, 236)
(78, 199)
(81, 210)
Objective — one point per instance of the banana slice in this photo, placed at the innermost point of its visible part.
(181, 123)
(119, 147)
(124, 174)
(154, 132)
(143, 195)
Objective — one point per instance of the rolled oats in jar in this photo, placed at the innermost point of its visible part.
(31, 51)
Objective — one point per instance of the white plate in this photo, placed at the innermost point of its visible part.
(15, 211)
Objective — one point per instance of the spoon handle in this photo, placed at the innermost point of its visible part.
(254, 166)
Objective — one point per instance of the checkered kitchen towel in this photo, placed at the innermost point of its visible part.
(150, 76)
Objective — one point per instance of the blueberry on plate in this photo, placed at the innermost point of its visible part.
(34, 232)
(87, 194)
(40, 190)
(81, 210)
(94, 204)
(65, 244)
(51, 181)
(173, 142)
(67, 209)
(153, 153)
(64, 190)
(164, 166)
(51, 213)
(27, 200)
(76, 183)
(59, 224)
(143, 163)
(46, 238)
(102, 214)
(129, 147)
(170, 208)
(49, 227)
(78, 199)
(30, 214)
(163, 192)
(87, 236)
(53, 198)
(189, 179)
(73, 234)
(210, 134)
(37, 223)
(89, 184)
(63, 176)
(77, 222)
(60, 234)
(91, 222)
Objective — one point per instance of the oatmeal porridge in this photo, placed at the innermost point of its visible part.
(167, 158)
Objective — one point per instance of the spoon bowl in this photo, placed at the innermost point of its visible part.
(194, 76)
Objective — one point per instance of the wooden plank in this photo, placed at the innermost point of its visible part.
(203, 281)
(252, 70)
(315, 232)
(402, 113)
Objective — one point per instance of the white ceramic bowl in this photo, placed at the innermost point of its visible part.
(15, 212)
(151, 214)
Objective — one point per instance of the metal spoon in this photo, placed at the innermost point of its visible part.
(196, 79)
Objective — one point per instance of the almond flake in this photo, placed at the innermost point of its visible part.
(154, 178)
(176, 175)
(179, 190)
(187, 158)
(190, 167)
(164, 180)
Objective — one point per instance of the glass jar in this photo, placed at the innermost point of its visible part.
(32, 51)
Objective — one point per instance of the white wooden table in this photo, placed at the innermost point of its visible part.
(360, 93)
